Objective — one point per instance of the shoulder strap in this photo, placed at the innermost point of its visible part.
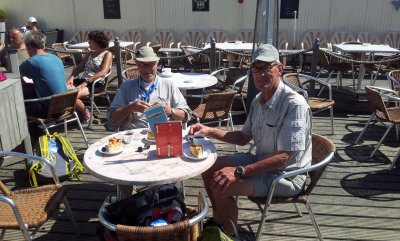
(69, 151)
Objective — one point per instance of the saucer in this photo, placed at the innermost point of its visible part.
(104, 150)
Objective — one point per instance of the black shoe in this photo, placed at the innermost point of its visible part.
(211, 223)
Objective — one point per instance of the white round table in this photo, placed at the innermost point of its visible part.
(131, 168)
(190, 80)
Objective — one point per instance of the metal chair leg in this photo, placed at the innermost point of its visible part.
(81, 128)
(332, 127)
(394, 160)
(298, 210)
(314, 221)
(365, 128)
(3, 232)
(380, 142)
(262, 221)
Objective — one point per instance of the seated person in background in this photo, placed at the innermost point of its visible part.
(32, 25)
(47, 72)
(279, 122)
(135, 96)
(16, 44)
(95, 64)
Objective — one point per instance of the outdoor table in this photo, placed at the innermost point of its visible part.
(364, 49)
(190, 80)
(170, 50)
(131, 168)
(235, 47)
(14, 127)
(85, 45)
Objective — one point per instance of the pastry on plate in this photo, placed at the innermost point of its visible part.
(196, 150)
(150, 135)
(114, 144)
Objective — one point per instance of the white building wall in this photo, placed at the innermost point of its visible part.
(378, 16)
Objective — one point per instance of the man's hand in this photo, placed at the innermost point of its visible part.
(199, 129)
(139, 106)
(222, 179)
(167, 109)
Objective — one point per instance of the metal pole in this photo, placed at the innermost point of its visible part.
(314, 63)
(117, 56)
(212, 55)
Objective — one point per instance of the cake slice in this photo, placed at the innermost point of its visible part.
(150, 135)
(196, 150)
(114, 144)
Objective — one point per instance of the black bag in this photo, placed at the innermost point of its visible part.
(147, 204)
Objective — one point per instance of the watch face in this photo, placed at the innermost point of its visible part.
(239, 170)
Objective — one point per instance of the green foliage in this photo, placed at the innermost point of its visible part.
(3, 16)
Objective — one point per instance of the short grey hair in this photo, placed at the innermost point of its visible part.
(35, 40)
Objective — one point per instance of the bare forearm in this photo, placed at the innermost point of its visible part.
(278, 161)
(232, 137)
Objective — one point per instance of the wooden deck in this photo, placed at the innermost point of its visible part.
(356, 199)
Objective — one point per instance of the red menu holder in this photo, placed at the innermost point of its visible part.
(169, 138)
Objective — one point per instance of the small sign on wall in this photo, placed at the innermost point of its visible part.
(111, 9)
(200, 5)
(288, 7)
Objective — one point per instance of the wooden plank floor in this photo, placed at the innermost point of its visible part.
(356, 199)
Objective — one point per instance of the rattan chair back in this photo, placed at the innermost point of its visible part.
(217, 106)
(130, 73)
(293, 79)
(377, 103)
(394, 79)
(62, 106)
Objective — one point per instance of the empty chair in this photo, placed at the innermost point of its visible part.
(323, 151)
(192, 38)
(245, 36)
(392, 39)
(79, 36)
(109, 34)
(367, 37)
(381, 113)
(62, 53)
(298, 82)
(394, 79)
(219, 36)
(165, 38)
(30, 208)
(61, 111)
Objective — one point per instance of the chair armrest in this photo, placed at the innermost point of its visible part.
(239, 81)
(38, 99)
(320, 82)
(219, 70)
(200, 216)
(383, 90)
(36, 158)
(303, 170)
(14, 207)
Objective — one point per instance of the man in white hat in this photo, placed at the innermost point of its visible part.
(136, 95)
(279, 122)
(32, 25)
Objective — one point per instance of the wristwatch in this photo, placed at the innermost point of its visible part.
(240, 171)
(173, 112)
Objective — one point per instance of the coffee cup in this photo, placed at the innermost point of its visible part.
(198, 139)
(166, 71)
(128, 136)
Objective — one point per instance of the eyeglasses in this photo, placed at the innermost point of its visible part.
(262, 69)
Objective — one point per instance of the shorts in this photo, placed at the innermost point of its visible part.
(262, 183)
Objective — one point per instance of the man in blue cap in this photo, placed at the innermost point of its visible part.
(279, 122)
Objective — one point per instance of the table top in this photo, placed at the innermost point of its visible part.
(170, 50)
(366, 48)
(85, 45)
(143, 168)
(190, 80)
(237, 46)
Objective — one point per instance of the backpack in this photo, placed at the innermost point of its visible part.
(156, 202)
(216, 234)
(60, 152)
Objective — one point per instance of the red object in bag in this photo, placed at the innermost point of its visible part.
(169, 139)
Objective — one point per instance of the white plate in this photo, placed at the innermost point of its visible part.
(188, 154)
(106, 152)
(166, 75)
(150, 140)
(188, 81)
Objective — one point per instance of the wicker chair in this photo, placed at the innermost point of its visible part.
(394, 78)
(233, 79)
(130, 73)
(30, 208)
(61, 111)
(185, 230)
(63, 55)
(322, 153)
(381, 112)
(298, 81)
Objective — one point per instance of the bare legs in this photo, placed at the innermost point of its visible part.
(223, 203)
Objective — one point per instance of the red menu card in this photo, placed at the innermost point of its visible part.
(169, 138)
